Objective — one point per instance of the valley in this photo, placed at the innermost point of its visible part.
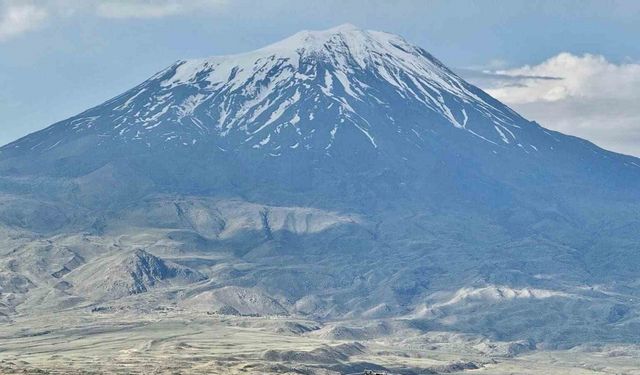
(180, 342)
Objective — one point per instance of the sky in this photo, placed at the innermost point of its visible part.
(572, 66)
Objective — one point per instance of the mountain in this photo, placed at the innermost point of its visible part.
(344, 85)
(337, 174)
(127, 274)
(342, 100)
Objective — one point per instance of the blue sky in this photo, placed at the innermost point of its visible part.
(59, 57)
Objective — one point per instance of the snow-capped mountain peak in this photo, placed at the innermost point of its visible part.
(360, 88)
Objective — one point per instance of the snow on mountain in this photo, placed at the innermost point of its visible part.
(303, 92)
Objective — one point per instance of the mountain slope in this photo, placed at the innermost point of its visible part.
(339, 92)
(334, 102)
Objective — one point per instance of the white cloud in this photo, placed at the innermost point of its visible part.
(18, 18)
(586, 96)
(587, 76)
(150, 8)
